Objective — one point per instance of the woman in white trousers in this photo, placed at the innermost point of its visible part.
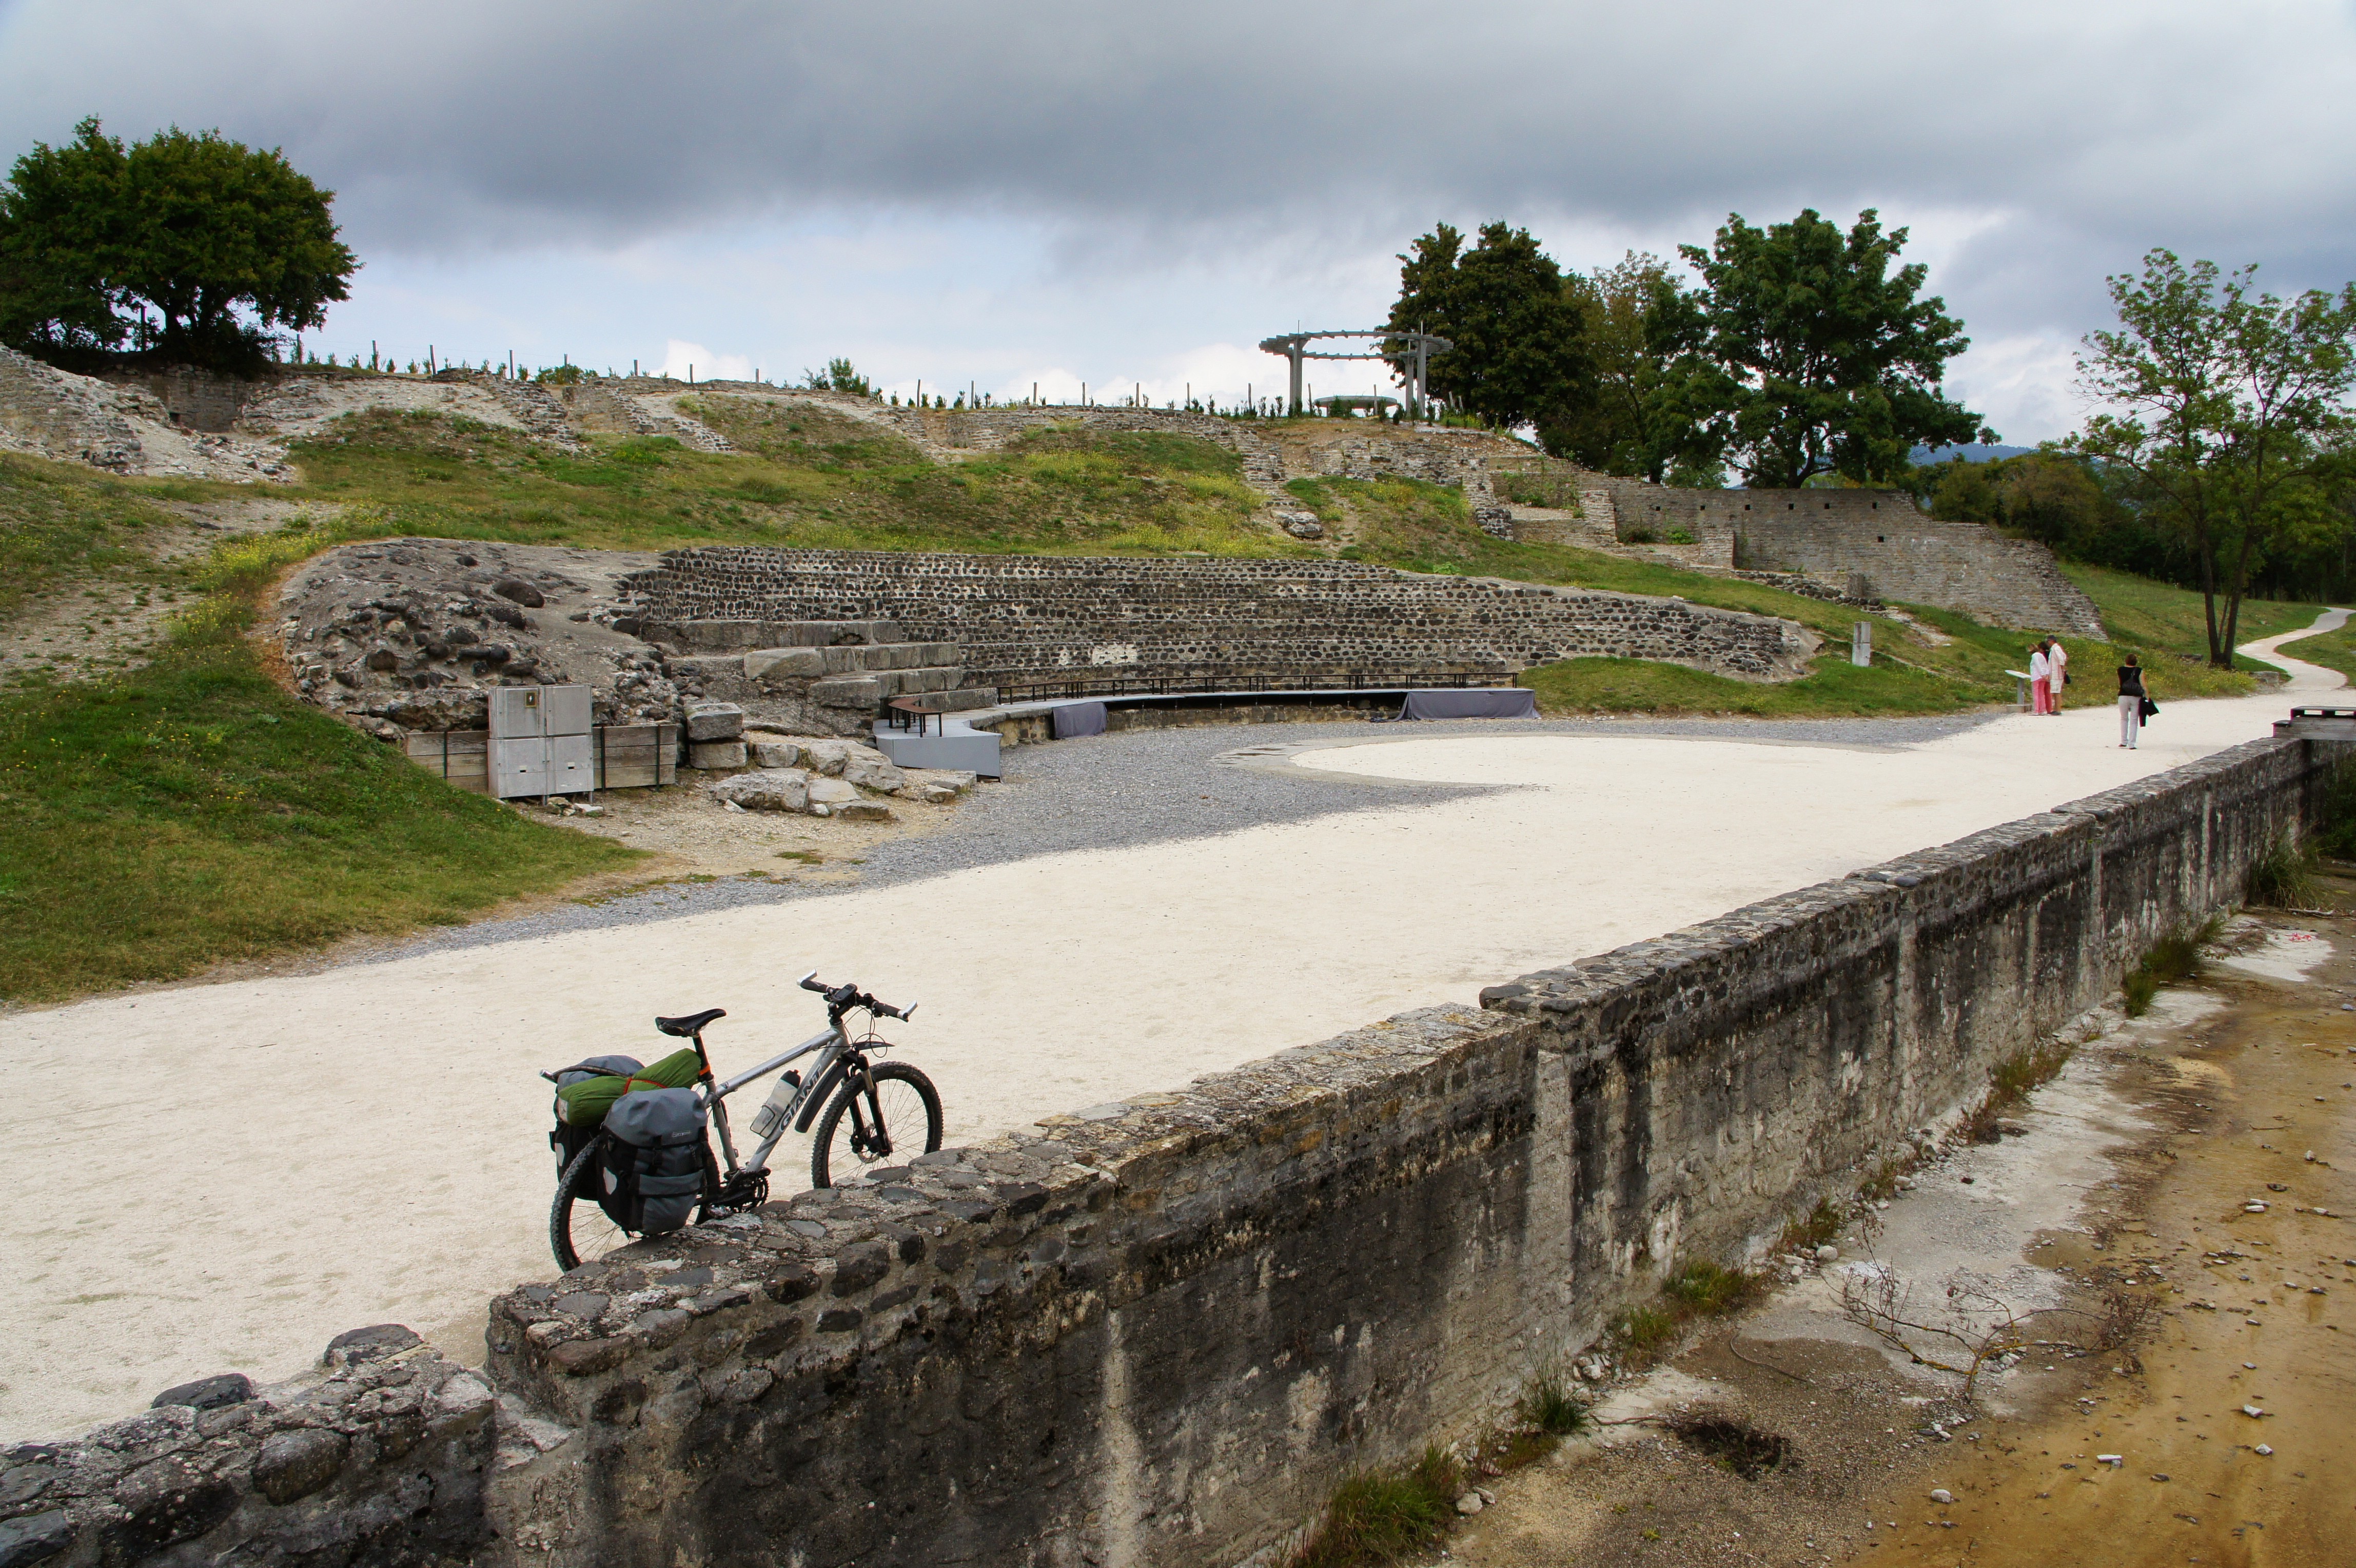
(2131, 695)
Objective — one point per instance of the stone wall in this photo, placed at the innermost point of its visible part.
(1029, 619)
(1906, 555)
(1160, 1331)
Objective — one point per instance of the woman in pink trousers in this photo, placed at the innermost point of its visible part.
(2041, 680)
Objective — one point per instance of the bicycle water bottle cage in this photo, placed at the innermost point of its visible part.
(690, 1025)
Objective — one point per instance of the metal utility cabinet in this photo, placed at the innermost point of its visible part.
(540, 741)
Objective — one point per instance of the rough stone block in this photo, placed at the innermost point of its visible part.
(208, 1393)
(767, 751)
(293, 1464)
(848, 692)
(356, 1346)
(715, 753)
(871, 769)
(770, 789)
(714, 720)
(714, 668)
(769, 665)
(865, 812)
(832, 792)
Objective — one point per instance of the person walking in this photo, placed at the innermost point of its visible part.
(2056, 656)
(2040, 680)
(2131, 700)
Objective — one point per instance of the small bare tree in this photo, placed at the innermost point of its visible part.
(1960, 1336)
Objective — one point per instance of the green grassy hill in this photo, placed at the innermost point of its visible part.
(183, 810)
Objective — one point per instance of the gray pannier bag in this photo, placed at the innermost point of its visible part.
(654, 1160)
(566, 1139)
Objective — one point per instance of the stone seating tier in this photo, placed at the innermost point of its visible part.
(1019, 620)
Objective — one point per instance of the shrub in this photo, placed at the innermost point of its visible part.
(1679, 536)
(1639, 535)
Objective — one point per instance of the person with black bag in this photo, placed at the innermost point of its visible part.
(2135, 704)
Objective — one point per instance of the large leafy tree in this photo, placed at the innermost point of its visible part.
(1643, 327)
(1520, 357)
(1821, 356)
(188, 244)
(2229, 408)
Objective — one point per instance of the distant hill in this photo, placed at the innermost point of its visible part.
(1925, 455)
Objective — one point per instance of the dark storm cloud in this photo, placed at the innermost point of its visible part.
(2099, 129)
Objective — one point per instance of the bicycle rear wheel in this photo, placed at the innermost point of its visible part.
(899, 1119)
(580, 1230)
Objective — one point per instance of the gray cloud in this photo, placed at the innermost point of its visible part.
(2097, 129)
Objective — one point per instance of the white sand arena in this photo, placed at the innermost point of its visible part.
(221, 1178)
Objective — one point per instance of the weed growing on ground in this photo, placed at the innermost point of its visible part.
(1707, 1289)
(1812, 1230)
(1386, 1516)
(1697, 1290)
(2175, 958)
(2011, 1082)
(1548, 1405)
(2284, 876)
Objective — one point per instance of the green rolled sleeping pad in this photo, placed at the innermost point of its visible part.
(585, 1105)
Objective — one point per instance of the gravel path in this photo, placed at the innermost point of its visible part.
(1130, 787)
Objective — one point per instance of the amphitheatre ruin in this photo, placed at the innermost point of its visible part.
(1359, 1078)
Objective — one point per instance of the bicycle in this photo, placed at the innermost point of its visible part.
(876, 1097)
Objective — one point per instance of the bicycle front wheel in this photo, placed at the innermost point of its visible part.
(897, 1119)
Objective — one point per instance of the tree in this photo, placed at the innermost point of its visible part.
(1816, 358)
(1641, 327)
(2230, 409)
(1519, 356)
(220, 242)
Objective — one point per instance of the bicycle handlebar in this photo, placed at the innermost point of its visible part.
(841, 998)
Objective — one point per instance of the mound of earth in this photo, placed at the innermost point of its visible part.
(411, 633)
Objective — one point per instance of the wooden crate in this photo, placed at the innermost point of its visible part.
(459, 755)
(635, 756)
(627, 757)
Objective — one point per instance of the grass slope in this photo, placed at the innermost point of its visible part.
(189, 813)
(800, 477)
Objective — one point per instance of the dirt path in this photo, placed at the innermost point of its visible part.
(2127, 1181)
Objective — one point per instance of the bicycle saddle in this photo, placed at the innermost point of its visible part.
(690, 1025)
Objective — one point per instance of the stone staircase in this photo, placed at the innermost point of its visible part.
(812, 676)
(534, 406)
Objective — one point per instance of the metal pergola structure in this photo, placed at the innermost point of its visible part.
(1415, 347)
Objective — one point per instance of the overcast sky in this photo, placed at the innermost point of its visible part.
(1052, 192)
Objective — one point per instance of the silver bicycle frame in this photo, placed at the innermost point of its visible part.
(830, 1044)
